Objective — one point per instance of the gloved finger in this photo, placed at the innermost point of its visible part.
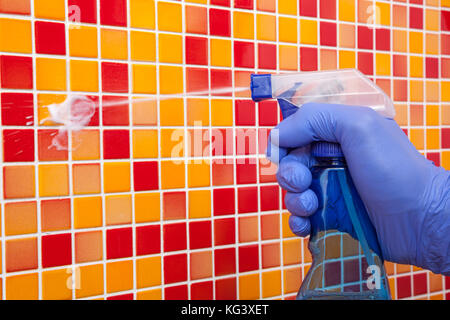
(275, 153)
(293, 173)
(301, 204)
(300, 226)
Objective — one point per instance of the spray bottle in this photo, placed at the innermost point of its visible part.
(347, 260)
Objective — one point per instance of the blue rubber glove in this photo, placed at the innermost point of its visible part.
(407, 197)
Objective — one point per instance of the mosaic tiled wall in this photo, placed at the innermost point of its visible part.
(111, 212)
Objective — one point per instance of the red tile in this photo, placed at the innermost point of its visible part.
(248, 258)
(202, 290)
(224, 231)
(56, 250)
(445, 43)
(115, 111)
(50, 38)
(447, 282)
(268, 113)
(15, 6)
(128, 296)
(175, 268)
(400, 90)
(119, 243)
(17, 109)
(245, 112)
(226, 289)
(308, 59)
(245, 141)
(245, 171)
(403, 287)
(224, 261)
(176, 293)
(269, 198)
(196, 50)
(445, 134)
(47, 150)
(308, 8)
(16, 72)
(445, 20)
(222, 173)
(174, 236)
(365, 37)
(383, 39)
(114, 77)
(95, 122)
(219, 22)
(145, 176)
(420, 284)
(221, 82)
(283, 195)
(196, 20)
(244, 54)
(248, 199)
(365, 62)
(83, 11)
(197, 81)
(224, 3)
(113, 12)
(263, 138)
(435, 157)
(415, 17)
(116, 144)
(199, 234)
(223, 201)
(222, 142)
(400, 63)
(148, 240)
(18, 145)
(174, 205)
(432, 67)
(445, 67)
(243, 4)
(267, 56)
(328, 9)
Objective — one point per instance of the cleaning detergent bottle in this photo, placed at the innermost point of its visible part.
(347, 260)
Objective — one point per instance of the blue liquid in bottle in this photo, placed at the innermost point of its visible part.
(347, 260)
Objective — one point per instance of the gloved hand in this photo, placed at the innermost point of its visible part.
(407, 197)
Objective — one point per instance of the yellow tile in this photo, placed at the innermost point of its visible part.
(148, 272)
(118, 209)
(288, 57)
(154, 294)
(172, 143)
(83, 75)
(292, 251)
(91, 281)
(287, 7)
(15, 35)
(172, 174)
(292, 279)
(83, 42)
(53, 180)
(243, 25)
(145, 111)
(308, 32)
(57, 284)
(445, 161)
(432, 20)
(287, 30)
(142, 14)
(220, 52)
(20, 218)
(415, 42)
(400, 40)
(172, 112)
(87, 212)
(116, 177)
(22, 287)
(347, 10)
(445, 91)
(199, 204)
(143, 46)
(433, 139)
(86, 145)
(119, 276)
(146, 207)
(416, 66)
(417, 138)
(347, 59)
(198, 174)
(51, 74)
(197, 112)
(383, 64)
(170, 48)
(145, 144)
(266, 27)
(249, 287)
(221, 112)
(432, 113)
(144, 79)
(431, 43)
(271, 283)
(114, 44)
(169, 16)
(170, 80)
(50, 9)
(416, 91)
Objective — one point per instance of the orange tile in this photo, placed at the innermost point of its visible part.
(416, 115)
(435, 282)
(148, 272)
(88, 246)
(146, 207)
(19, 182)
(145, 112)
(87, 212)
(86, 145)
(91, 281)
(271, 283)
(53, 180)
(201, 265)
(15, 6)
(118, 209)
(86, 178)
(292, 251)
(154, 294)
(55, 284)
(249, 287)
(199, 204)
(292, 279)
(21, 254)
(55, 215)
(270, 255)
(119, 276)
(20, 218)
(22, 287)
(248, 229)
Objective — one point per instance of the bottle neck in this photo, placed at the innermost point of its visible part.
(330, 162)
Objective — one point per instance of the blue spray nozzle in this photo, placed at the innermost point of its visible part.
(261, 86)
